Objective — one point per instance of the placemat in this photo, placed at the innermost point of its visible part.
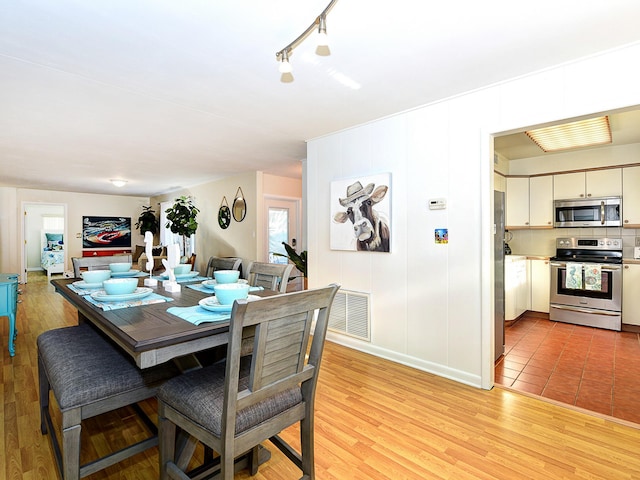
(148, 300)
(198, 315)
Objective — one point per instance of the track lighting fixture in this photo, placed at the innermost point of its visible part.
(322, 43)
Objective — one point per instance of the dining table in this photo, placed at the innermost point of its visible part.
(149, 333)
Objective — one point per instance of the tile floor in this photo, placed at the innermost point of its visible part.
(591, 368)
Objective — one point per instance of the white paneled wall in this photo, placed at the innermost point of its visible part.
(432, 304)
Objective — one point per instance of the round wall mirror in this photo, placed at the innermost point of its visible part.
(239, 207)
(224, 217)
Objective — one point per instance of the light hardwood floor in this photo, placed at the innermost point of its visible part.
(374, 420)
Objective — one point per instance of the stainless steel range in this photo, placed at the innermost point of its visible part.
(586, 282)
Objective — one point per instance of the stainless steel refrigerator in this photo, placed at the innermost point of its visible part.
(498, 267)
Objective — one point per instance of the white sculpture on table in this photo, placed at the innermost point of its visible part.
(173, 259)
(148, 241)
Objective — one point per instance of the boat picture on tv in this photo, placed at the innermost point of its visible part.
(106, 232)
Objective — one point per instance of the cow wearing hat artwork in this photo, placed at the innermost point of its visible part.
(371, 230)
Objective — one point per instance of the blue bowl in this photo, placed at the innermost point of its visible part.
(182, 268)
(120, 286)
(226, 276)
(120, 267)
(96, 276)
(227, 293)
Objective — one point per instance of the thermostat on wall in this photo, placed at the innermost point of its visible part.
(437, 204)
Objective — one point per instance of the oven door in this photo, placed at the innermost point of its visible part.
(608, 297)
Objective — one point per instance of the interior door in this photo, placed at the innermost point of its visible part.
(36, 217)
(283, 225)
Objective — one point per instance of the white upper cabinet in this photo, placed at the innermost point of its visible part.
(631, 197)
(593, 183)
(541, 201)
(517, 203)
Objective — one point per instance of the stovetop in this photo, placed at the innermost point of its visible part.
(589, 250)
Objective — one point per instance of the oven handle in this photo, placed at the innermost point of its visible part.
(612, 268)
(586, 310)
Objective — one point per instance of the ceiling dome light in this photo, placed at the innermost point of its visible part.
(118, 182)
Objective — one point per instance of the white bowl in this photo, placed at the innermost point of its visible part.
(120, 267)
(120, 286)
(227, 293)
(96, 276)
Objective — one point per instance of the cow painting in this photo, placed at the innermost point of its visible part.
(370, 229)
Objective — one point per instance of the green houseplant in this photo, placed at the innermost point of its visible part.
(147, 221)
(181, 219)
(298, 259)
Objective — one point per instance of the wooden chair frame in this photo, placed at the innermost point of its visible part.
(281, 326)
(272, 276)
(222, 263)
(96, 263)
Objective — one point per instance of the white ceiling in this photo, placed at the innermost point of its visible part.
(169, 94)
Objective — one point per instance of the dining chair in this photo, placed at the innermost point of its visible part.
(223, 263)
(233, 406)
(96, 263)
(272, 276)
(89, 375)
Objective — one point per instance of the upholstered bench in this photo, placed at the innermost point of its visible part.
(89, 375)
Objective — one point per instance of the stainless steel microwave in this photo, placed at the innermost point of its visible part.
(588, 212)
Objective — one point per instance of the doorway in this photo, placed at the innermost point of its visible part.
(43, 238)
(283, 225)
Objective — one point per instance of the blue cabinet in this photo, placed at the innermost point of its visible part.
(9, 304)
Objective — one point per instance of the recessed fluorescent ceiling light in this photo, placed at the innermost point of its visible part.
(585, 133)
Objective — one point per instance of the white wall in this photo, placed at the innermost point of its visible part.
(432, 305)
(244, 239)
(78, 204)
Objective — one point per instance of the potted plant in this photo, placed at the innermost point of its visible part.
(147, 221)
(181, 219)
(298, 259)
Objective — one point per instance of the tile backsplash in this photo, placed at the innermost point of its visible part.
(543, 242)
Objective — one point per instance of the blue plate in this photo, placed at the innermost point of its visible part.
(139, 293)
(130, 273)
(190, 274)
(213, 305)
(85, 285)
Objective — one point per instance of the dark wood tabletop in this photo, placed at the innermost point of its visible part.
(148, 333)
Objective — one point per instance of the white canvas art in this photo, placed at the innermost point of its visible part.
(361, 213)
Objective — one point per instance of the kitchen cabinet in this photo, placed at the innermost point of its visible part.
(541, 202)
(631, 294)
(517, 203)
(592, 183)
(631, 197)
(540, 284)
(516, 286)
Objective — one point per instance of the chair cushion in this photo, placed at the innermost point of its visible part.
(83, 366)
(199, 394)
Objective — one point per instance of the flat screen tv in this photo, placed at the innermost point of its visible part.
(106, 232)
